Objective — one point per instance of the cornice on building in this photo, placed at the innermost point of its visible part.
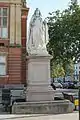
(12, 1)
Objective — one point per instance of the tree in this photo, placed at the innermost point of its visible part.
(64, 34)
(57, 71)
(70, 68)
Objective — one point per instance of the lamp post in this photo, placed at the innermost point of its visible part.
(79, 95)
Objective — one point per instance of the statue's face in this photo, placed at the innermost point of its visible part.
(37, 12)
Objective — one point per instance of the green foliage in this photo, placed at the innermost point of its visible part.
(69, 68)
(57, 70)
(15, 45)
(64, 34)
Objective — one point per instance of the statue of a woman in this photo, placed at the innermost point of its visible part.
(36, 41)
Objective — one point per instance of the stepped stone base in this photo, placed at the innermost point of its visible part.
(45, 107)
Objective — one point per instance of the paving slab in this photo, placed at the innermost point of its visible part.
(70, 116)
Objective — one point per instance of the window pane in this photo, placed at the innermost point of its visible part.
(4, 21)
(0, 11)
(0, 32)
(4, 11)
(2, 69)
(2, 59)
(0, 21)
(4, 33)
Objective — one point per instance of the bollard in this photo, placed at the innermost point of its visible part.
(76, 103)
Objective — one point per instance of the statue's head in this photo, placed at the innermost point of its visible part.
(36, 16)
(37, 12)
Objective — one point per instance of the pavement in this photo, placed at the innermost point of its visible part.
(69, 116)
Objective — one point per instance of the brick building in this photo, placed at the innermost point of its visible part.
(13, 16)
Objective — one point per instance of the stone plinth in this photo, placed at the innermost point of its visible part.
(53, 107)
(39, 88)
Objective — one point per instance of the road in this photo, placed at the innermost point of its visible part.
(70, 116)
(58, 92)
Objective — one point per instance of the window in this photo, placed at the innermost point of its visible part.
(2, 65)
(3, 22)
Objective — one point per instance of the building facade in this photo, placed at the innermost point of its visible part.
(76, 70)
(13, 24)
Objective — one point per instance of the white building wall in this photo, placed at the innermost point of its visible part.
(76, 70)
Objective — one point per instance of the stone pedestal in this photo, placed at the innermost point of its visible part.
(38, 84)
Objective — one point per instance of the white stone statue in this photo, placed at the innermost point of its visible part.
(38, 35)
(45, 30)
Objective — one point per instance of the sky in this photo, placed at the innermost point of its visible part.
(46, 6)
